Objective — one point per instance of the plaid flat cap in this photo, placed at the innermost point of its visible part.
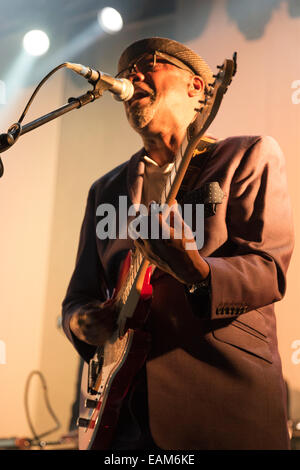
(167, 46)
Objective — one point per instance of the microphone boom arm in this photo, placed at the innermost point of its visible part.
(16, 130)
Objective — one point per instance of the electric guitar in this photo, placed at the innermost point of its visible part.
(114, 366)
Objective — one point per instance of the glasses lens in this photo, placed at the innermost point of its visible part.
(150, 62)
(143, 65)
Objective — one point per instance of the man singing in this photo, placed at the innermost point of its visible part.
(212, 379)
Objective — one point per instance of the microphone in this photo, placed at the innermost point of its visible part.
(122, 88)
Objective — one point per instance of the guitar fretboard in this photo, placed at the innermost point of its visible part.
(135, 264)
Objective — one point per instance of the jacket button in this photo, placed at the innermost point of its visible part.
(219, 311)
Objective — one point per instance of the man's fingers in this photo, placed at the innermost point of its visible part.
(146, 250)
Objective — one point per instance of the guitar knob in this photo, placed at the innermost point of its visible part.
(91, 403)
(83, 422)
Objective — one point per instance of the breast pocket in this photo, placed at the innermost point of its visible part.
(247, 333)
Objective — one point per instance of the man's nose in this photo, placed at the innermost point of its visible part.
(137, 77)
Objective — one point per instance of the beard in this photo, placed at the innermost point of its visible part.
(139, 115)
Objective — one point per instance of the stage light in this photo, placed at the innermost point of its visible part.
(36, 42)
(110, 20)
(15, 81)
(2, 92)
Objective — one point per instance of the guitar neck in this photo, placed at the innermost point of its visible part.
(138, 263)
(134, 281)
(133, 278)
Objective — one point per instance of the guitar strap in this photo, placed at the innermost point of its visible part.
(210, 194)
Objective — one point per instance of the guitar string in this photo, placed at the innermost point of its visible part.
(137, 258)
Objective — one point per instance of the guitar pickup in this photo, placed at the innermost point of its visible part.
(94, 371)
(82, 423)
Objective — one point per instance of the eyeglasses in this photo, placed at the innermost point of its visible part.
(152, 63)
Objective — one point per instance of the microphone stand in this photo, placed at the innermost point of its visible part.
(16, 130)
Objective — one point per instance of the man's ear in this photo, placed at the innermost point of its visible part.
(196, 86)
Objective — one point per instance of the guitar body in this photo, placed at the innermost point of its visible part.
(116, 365)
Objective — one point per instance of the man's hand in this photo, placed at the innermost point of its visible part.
(177, 254)
(95, 323)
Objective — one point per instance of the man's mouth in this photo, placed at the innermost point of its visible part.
(139, 94)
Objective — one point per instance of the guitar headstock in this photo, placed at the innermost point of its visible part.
(209, 106)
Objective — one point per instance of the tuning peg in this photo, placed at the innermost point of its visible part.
(220, 66)
(234, 63)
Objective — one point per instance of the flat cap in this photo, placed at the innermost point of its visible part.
(170, 47)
